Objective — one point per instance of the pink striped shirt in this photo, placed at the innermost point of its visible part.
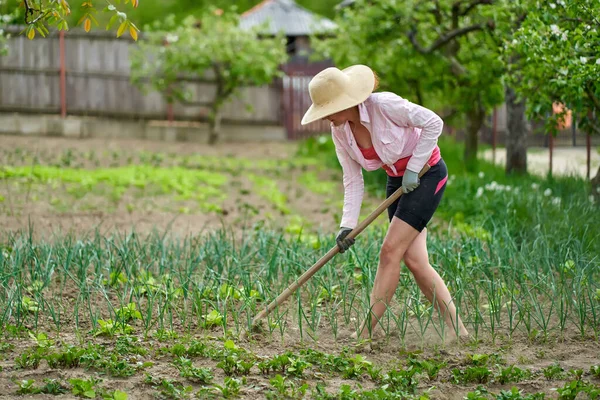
(399, 129)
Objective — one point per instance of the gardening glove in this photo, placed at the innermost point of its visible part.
(343, 243)
(410, 181)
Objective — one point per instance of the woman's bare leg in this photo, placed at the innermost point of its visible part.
(399, 237)
(417, 260)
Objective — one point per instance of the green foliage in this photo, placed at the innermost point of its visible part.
(471, 375)
(110, 328)
(516, 394)
(84, 387)
(511, 374)
(558, 61)
(285, 388)
(169, 388)
(554, 371)
(187, 370)
(431, 367)
(213, 318)
(571, 389)
(437, 55)
(40, 15)
(51, 386)
(128, 312)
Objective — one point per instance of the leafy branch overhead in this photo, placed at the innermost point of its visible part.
(39, 15)
(212, 47)
(439, 54)
(559, 54)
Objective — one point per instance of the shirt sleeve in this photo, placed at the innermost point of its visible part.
(353, 185)
(404, 113)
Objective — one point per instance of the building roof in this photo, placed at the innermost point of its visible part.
(286, 16)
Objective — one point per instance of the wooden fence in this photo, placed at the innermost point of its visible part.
(97, 83)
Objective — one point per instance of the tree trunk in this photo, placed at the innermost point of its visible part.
(516, 138)
(475, 119)
(214, 124)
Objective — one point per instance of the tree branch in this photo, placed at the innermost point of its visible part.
(442, 40)
(578, 20)
(437, 12)
(592, 96)
(29, 10)
(471, 6)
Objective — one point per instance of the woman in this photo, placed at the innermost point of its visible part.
(382, 130)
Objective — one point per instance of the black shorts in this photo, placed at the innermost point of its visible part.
(417, 207)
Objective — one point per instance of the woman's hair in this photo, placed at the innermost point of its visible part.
(376, 86)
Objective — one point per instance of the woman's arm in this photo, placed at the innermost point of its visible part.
(405, 113)
(353, 186)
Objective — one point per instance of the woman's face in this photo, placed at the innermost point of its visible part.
(341, 117)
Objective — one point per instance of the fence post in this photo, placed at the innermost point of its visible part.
(63, 75)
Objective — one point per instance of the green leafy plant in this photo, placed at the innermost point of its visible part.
(511, 374)
(286, 388)
(231, 387)
(29, 304)
(110, 328)
(128, 312)
(213, 318)
(554, 371)
(84, 387)
(187, 370)
(115, 395)
(431, 367)
(41, 340)
(471, 375)
(516, 394)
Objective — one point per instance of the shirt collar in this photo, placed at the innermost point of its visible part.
(364, 113)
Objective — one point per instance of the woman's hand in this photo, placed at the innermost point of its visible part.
(410, 181)
(341, 240)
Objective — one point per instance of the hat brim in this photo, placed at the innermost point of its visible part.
(362, 83)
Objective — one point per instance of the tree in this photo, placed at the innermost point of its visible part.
(510, 16)
(559, 61)
(39, 15)
(438, 53)
(213, 43)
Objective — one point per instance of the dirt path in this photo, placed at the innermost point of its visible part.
(565, 161)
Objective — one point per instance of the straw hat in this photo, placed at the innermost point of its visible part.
(333, 90)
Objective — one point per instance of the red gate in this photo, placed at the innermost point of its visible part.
(296, 100)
